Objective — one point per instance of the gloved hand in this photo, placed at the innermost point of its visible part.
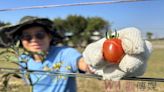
(93, 53)
(132, 41)
(133, 63)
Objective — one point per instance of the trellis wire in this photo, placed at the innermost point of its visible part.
(51, 73)
(74, 4)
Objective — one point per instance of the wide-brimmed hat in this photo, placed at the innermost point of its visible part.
(9, 34)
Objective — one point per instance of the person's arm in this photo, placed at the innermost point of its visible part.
(84, 67)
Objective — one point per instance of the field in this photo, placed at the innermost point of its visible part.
(155, 69)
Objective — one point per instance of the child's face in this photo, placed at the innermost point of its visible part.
(35, 39)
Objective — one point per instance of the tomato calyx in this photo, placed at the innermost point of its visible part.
(109, 35)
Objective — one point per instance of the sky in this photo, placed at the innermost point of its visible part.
(148, 16)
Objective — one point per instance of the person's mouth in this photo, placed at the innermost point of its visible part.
(36, 46)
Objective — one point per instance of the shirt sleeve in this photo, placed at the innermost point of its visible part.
(72, 56)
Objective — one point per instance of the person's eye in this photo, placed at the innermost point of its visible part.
(41, 35)
(26, 37)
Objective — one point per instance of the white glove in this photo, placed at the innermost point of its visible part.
(93, 53)
(132, 41)
(133, 63)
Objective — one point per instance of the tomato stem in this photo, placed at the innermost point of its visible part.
(115, 36)
(107, 34)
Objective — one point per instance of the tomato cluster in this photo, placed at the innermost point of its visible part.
(112, 49)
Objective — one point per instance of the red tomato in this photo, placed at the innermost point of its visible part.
(113, 51)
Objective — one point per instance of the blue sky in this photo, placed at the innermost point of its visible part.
(147, 16)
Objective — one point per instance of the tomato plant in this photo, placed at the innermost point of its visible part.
(112, 48)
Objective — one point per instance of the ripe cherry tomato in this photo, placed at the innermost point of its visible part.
(113, 51)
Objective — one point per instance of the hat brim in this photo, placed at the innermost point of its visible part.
(6, 37)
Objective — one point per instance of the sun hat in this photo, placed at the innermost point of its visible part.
(10, 34)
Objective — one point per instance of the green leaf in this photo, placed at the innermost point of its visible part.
(13, 59)
(17, 44)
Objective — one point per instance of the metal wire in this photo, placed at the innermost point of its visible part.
(73, 4)
(50, 73)
(17, 71)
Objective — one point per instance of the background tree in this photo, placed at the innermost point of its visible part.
(75, 26)
(149, 35)
(79, 30)
(59, 24)
(3, 23)
(95, 24)
(59, 27)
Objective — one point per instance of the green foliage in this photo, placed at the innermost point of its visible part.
(11, 55)
(3, 23)
(149, 35)
(6, 78)
(75, 24)
(59, 24)
(80, 28)
(96, 23)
